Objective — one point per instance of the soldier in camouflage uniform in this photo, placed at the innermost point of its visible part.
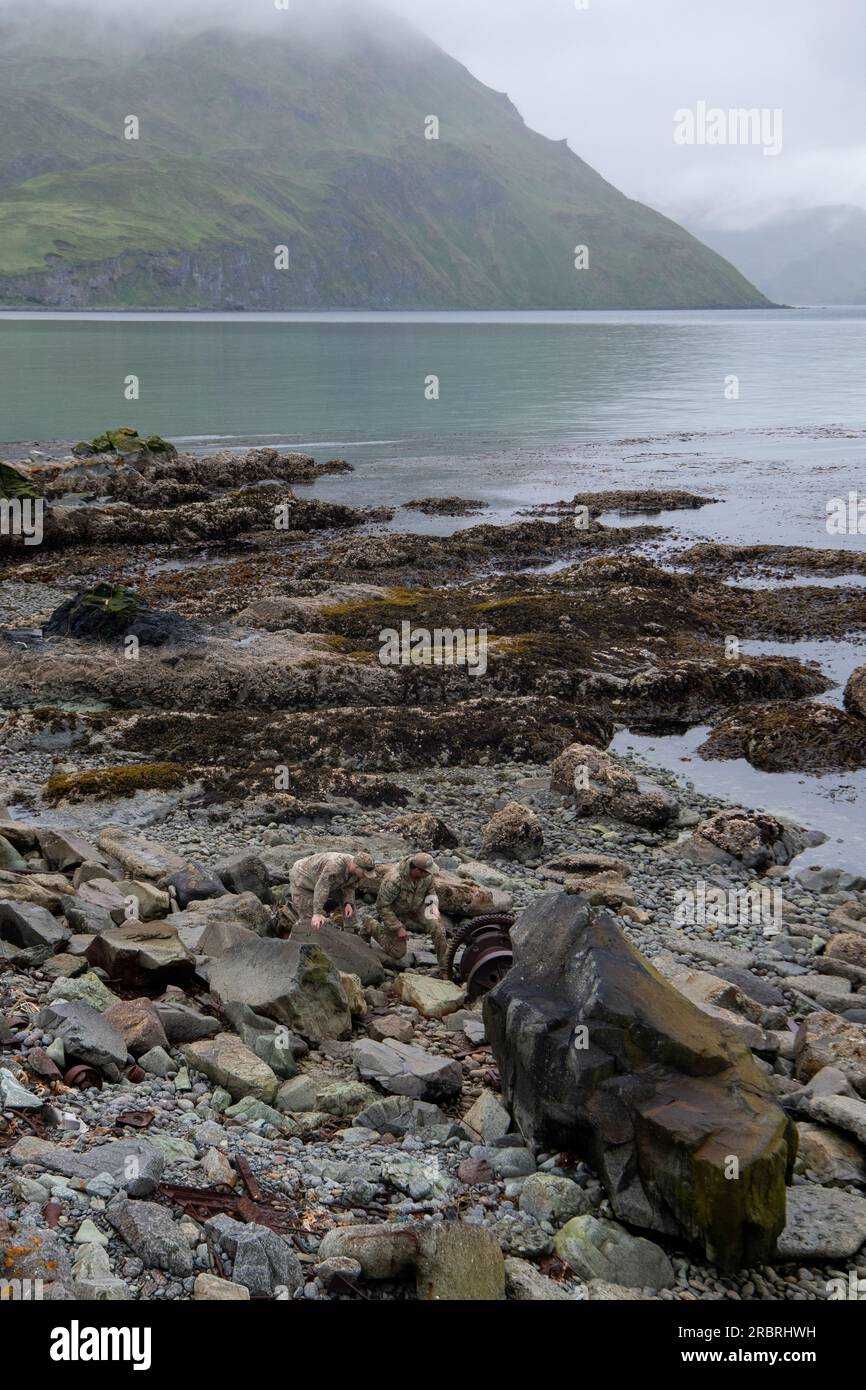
(323, 878)
(407, 899)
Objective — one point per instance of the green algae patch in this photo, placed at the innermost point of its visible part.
(124, 441)
(103, 783)
(521, 644)
(122, 603)
(374, 610)
(346, 646)
(14, 484)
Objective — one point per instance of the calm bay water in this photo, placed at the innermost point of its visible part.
(532, 407)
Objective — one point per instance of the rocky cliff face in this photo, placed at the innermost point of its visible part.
(292, 138)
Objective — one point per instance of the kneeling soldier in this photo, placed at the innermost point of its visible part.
(407, 899)
(323, 878)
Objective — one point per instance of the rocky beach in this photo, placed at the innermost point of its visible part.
(656, 1091)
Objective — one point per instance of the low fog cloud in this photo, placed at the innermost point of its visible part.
(609, 75)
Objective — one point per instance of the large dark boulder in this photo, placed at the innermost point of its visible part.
(107, 613)
(290, 983)
(601, 1057)
(346, 952)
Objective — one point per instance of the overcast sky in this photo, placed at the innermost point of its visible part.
(610, 77)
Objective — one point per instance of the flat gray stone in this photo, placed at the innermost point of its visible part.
(184, 1024)
(347, 952)
(87, 1036)
(824, 1223)
(14, 1096)
(842, 1111)
(264, 1263)
(151, 1232)
(135, 1165)
(400, 1115)
(25, 924)
(408, 1071)
(597, 1249)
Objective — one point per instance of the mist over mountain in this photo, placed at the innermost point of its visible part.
(810, 256)
(307, 129)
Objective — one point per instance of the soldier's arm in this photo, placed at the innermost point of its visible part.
(388, 894)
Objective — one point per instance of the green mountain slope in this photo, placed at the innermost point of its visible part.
(309, 133)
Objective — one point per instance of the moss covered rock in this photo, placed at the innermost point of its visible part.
(102, 783)
(124, 441)
(14, 484)
(110, 612)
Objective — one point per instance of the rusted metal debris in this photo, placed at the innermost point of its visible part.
(81, 1077)
(243, 1168)
(51, 1214)
(40, 1065)
(135, 1119)
(480, 953)
(203, 1202)
(41, 1125)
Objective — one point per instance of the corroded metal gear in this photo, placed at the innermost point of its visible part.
(480, 952)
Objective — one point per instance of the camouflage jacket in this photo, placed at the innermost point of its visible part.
(327, 877)
(402, 896)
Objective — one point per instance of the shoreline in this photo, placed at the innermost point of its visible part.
(266, 659)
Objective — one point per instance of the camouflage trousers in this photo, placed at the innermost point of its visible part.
(395, 946)
(302, 902)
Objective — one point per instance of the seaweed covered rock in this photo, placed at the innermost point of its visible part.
(601, 1057)
(104, 783)
(675, 692)
(108, 613)
(752, 838)
(15, 484)
(855, 692)
(603, 787)
(425, 830)
(791, 737)
(127, 443)
(513, 832)
(446, 506)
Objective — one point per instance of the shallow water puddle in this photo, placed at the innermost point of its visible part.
(833, 804)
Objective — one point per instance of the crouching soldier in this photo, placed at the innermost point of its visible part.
(407, 901)
(327, 878)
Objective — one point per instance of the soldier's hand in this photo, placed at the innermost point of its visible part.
(318, 921)
(349, 911)
(401, 934)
